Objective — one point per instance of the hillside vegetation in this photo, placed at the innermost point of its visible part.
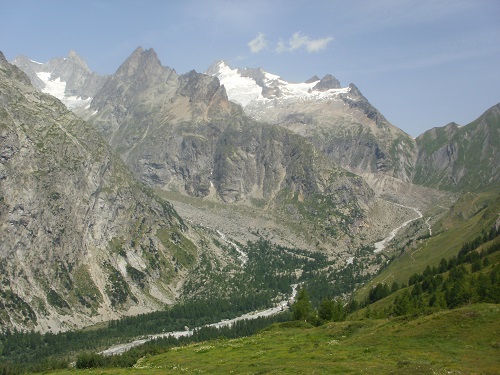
(471, 216)
(464, 340)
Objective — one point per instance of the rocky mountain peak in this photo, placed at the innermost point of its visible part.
(313, 79)
(200, 87)
(76, 59)
(216, 67)
(67, 78)
(142, 69)
(140, 61)
(327, 82)
(451, 128)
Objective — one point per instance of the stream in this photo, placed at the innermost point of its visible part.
(381, 245)
(121, 348)
(243, 256)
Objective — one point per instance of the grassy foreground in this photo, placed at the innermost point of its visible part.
(460, 341)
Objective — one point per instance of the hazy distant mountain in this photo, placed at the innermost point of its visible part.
(339, 121)
(69, 79)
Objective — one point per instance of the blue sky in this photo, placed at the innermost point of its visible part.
(421, 63)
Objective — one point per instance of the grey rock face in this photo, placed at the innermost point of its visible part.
(327, 82)
(340, 122)
(82, 241)
(181, 133)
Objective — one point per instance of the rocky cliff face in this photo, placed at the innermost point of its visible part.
(82, 241)
(339, 121)
(461, 158)
(181, 133)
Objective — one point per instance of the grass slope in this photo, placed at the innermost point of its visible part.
(464, 340)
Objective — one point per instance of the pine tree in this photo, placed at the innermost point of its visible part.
(302, 309)
(402, 304)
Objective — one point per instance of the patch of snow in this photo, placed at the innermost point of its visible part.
(271, 77)
(73, 102)
(239, 89)
(54, 87)
(57, 88)
(36, 62)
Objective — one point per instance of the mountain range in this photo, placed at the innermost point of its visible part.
(89, 234)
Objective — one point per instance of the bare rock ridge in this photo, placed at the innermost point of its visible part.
(82, 240)
(326, 83)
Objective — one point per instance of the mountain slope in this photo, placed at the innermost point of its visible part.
(82, 241)
(463, 340)
(470, 216)
(181, 133)
(461, 158)
(339, 121)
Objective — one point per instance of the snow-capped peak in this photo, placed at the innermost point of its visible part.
(241, 90)
(249, 85)
(56, 87)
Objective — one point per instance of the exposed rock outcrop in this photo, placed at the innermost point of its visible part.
(82, 240)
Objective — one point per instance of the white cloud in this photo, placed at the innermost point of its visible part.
(298, 40)
(281, 46)
(258, 43)
(318, 44)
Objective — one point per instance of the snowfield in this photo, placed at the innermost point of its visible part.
(245, 90)
(57, 88)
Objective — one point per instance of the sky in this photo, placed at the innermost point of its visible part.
(421, 63)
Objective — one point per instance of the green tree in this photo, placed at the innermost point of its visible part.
(402, 304)
(302, 309)
(394, 287)
(326, 309)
